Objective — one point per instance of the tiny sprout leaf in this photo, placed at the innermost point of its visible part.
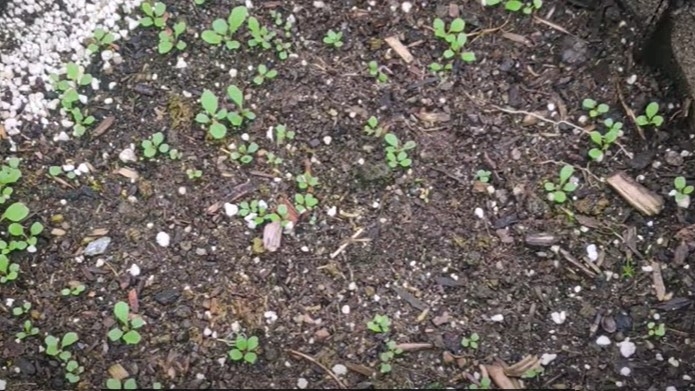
(236, 354)
(391, 139)
(588, 104)
(513, 5)
(566, 173)
(16, 212)
(457, 25)
(211, 37)
(235, 95)
(657, 120)
(651, 109)
(132, 337)
(679, 183)
(559, 197)
(209, 101)
(68, 339)
(120, 310)
(642, 121)
(250, 357)
(252, 343)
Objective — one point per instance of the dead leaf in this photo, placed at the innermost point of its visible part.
(128, 173)
(272, 236)
(517, 38)
(3, 133)
(361, 369)
(587, 221)
(133, 301)
(413, 346)
(58, 232)
(681, 253)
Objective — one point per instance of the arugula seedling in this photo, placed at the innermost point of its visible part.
(154, 15)
(380, 324)
(127, 326)
(264, 73)
(595, 109)
(153, 145)
(244, 349)
(244, 153)
(81, 122)
(56, 348)
(396, 153)
(527, 7)
(260, 36)
(333, 38)
(651, 116)
(224, 30)
(681, 190)
(305, 202)
(558, 192)
(194, 173)
(28, 330)
(483, 176)
(306, 180)
(455, 37)
(116, 384)
(604, 141)
(375, 71)
(168, 39)
(471, 341)
(101, 38)
(281, 133)
(372, 127)
(385, 357)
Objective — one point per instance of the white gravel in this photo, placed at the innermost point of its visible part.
(30, 52)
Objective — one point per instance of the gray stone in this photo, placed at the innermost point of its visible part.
(97, 247)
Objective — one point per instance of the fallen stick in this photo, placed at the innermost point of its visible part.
(311, 359)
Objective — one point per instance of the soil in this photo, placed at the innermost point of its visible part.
(417, 250)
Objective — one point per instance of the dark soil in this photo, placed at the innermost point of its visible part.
(424, 259)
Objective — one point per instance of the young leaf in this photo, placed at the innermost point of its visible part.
(679, 183)
(209, 102)
(211, 37)
(236, 18)
(565, 173)
(236, 95)
(642, 121)
(596, 154)
(457, 25)
(651, 109)
(391, 139)
(236, 354)
(132, 337)
(588, 104)
(513, 5)
(250, 357)
(15, 229)
(120, 310)
(217, 130)
(657, 120)
(68, 339)
(252, 343)
(16, 212)
(559, 197)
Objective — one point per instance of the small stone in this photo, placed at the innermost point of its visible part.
(302, 383)
(339, 369)
(603, 341)
(163, 239)
(625, 371)
(559, 317)
(592, 252)
(547, 358)
(230, 209)
(322, 334)
(497, 318)
(97, 247)
(166, 297)
(406, 6)
(345, 310)
(127, 155)
(134, 270)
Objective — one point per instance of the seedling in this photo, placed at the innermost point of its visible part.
(115, 384)
(483, 176)
(484, 384)
(75, 78)
(385, 357)
(27, 330)
(375, 71)
(101, 38)
(437, 67)
(380, 324)
(56, 348)
(396, 153)
(212, 116)
(305, 202)
(199, 2)
(254, 211)
(9, 174)
(153, 145)
(628, 269)
(372, 127)
(21, 310)
(282, 134)
(655, 330)
(273, 159)
(224, 30)
(527, 7)
(264, 73)
(306, 180)
(455, 37)
(333, 39)
(604, 141)
(244, 349)
(651, 116)
(127, 326)
(558, 191)
(260, 35)
(73, 370)
(681, 191)
(594, 108)
(74, 289)
(282, 48)
(168, 39)
(154, 15)
(281, 213)
(194, 173)
(9, 271)
(244, 153)
(81, 122)
(471, 341)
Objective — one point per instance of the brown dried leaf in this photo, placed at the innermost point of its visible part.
(433, 117)
(498, 377)
(587, 221)
(361, 369)
(272, 236)
(517, 38)
(441, 319)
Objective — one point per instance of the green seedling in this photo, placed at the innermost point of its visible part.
(116, 384)
(21, 310)
(81, 122)
(127, 326)
(273, 159)
(651, 116)
(471, 341)
(375, 71)
(154, 15)
(527, 7)
(74, 290)
(100, 39)
(9, 174)
(154, 145)
(224, 30)
(628, 269)
(244, 349)
(483, 176)
(306, 180)
(372, 127)
(74, 79)
(455, 37)
(305, 202)
(594, 108)
(9, 271)
(57, 170)
(169, 39)
(604, 141)
(194, 173)
(282, 134)
(655, 330)
(392, 350)
(28, 330)
(199, 2)
(264, 73)
(212, 116)
(558, 191)
(244, 153)
(484, 384)
(260, 35)
(254, 211)
(396, 153)
(681, 189)
(380, 324)
(282, 48)
(533, 373)
(281, 214)
(56, 348)
(438, 67)
(333, 39)
(73, 370)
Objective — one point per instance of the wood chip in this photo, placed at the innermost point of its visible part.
(658, 280)
(399, 48)
(272, 236)
(99, 232)
(128, 173)
(103, 126)
(432, 117)
(118, 372)
(644, 200)
(413, 346)
(587, 221)
(498, 377)
(361, 369)
(517, 38)
(133, 301)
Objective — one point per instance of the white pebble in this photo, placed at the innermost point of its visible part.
(332, 211)
(230, 209)
(674, 361)
(270, 316)
(345, 310)
(592, 252)
(127, 155)
(327, 140)
(559, 317)
(547, 358)
(497, 318)
(302, 383)
(163, 239)
(603, 341)
(479, 213)
(406, 6)
(632, 79)
(134, 270)
(625, 371)
(182, 190)
(627, 348)
(339, 369)
(180, 63)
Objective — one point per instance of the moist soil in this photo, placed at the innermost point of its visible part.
(418, 249)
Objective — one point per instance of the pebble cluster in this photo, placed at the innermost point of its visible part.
(36, 38)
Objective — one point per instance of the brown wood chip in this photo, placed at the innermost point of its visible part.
(658, 280)
(644, 200)
(517, 38)
(399, 48)
(103, 126)
(128, 173)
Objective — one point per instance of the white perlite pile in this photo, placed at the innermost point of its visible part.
(31, 52)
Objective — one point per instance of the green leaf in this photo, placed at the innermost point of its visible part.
(217, 131)
(68, 339)
(513, 5)
(272, 74)
(179, 28)
(15, 229)
(209, 102)
(559, 197)
(569, 187)
(679, 183)
(439, 27)
(589, 104)
(391, 139)
(236, 18)
(688, 189)
(409, 145)
(132, 337)
(602, 108)
(252, 148)
(147, 8)
(651, 109)
(252, 343)
(146, 21)
(180, 45)
(137, 322)
(72, 70)
(211, 37)
(595, 154)
(457, 25)
(235, 94)
(549, 186)
(565, 173)
(220, 26)
(250, 357)
(159, 8)
(120, 310)
(165, 46)
(657, 120)
(233, 45)
(130, 384)
(202, 118)
(642, 121)
(596, 138)
(16, 212)
(236, 354)
(158, 138)
(113, 384)
(468, 56)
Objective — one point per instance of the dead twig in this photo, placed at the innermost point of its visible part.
(552, 25)
(576, 263)
(311, 359)
(629, 111)
(352, 239)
